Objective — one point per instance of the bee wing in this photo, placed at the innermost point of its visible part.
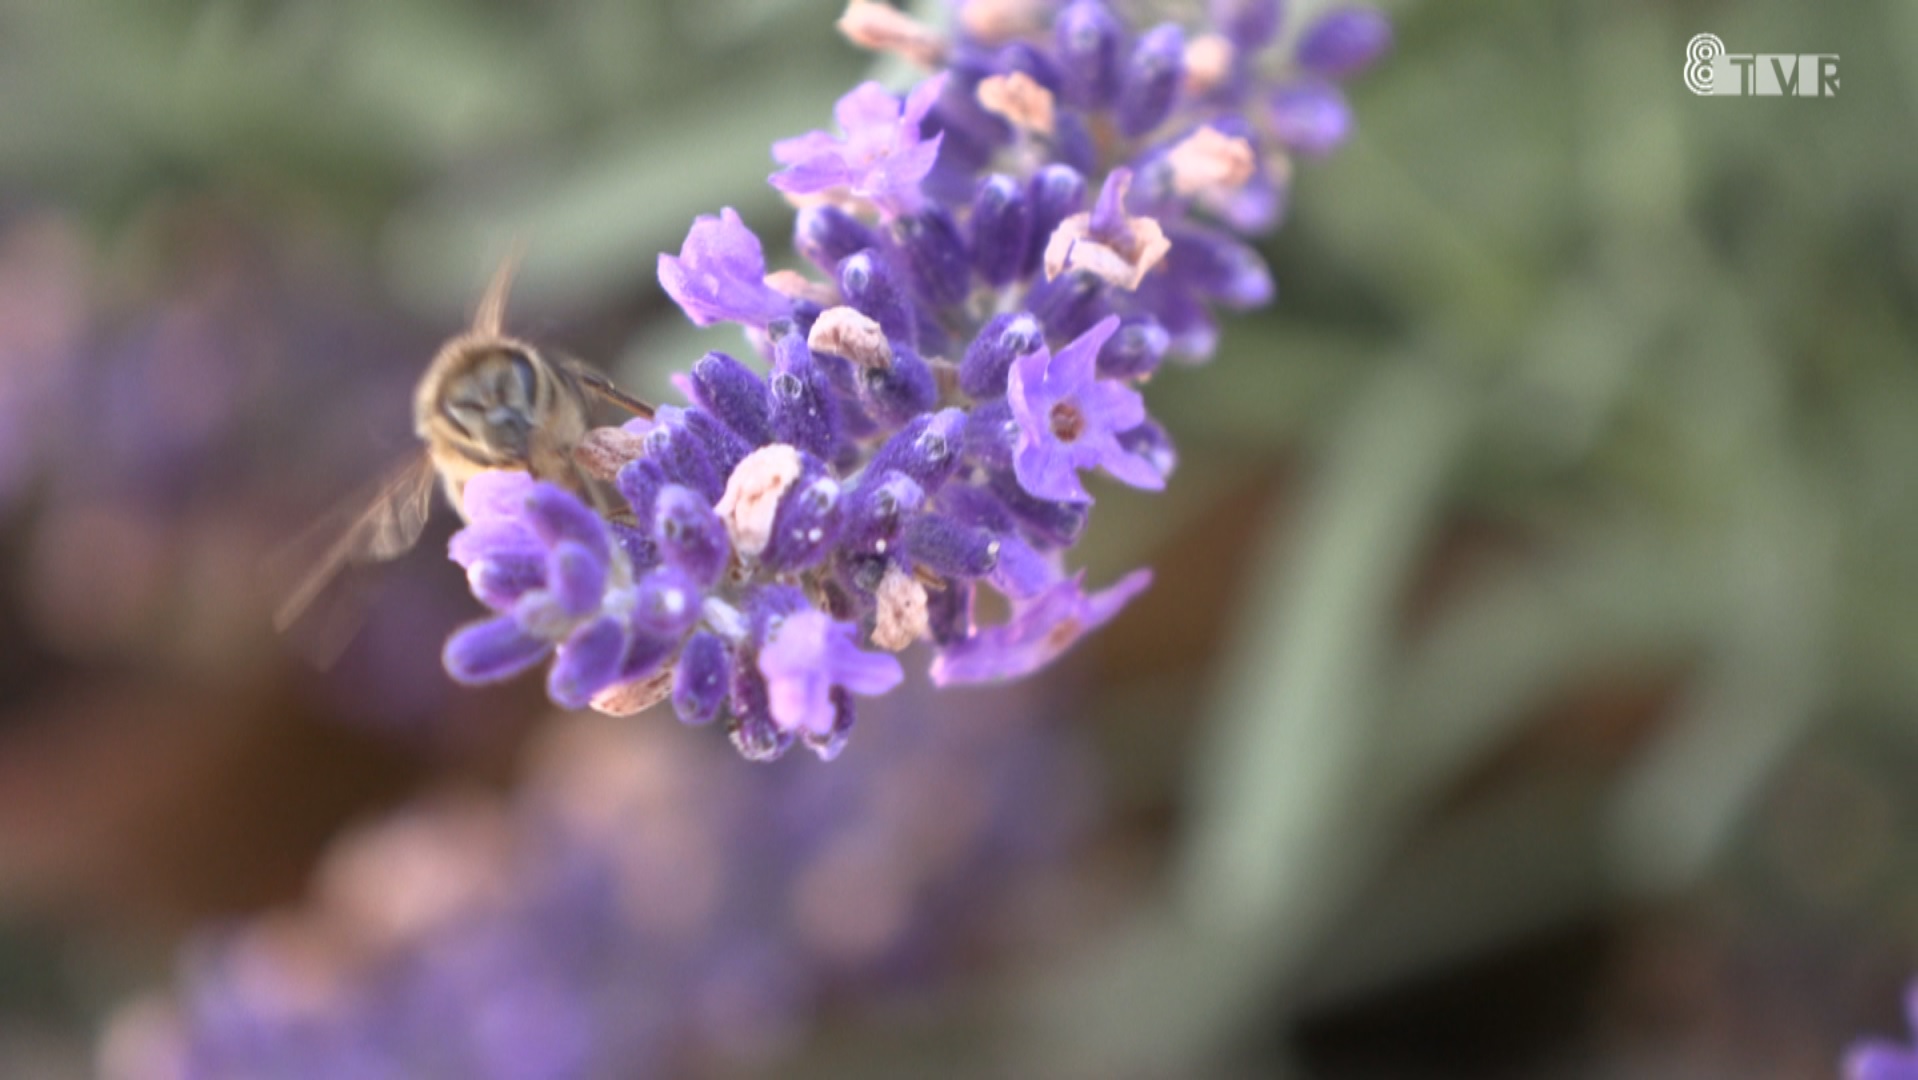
(377, 524)
(602, 387)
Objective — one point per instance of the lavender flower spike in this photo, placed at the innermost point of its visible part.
(880, 158)
(807, 655)
(720, 275)
(1070, 419)
(907, 434)
(1040, 629)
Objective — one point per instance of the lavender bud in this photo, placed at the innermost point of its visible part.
(949, 612)
(1251, 24)
(807, 521)
(1311, 118)
(587, 663)
(988, 361)
(1049, 524)
(868, 283)
(1073, 144)
(1057, 192)
(1344, 42)
(1070, 304)
(499, 581)
(1088, 37)
(666, 603)
(753, 732)
(726, 446)
(491, 651)
(1001, 229)
(992, 432)
(690, 535)
(1152, 78)
(974, 505)
(804, 411)
(1135, 350)
(641, 552)
(684, 458)
(702, 678)
(734, 395)
(556, 515)
(644, 656)
(1220, 268)
(575, 578)
(876, 511)
(935, 255)
(1024, 57)
(896, 394)
(639, 481)
(827, 235)
(927, 449)
(949, 548)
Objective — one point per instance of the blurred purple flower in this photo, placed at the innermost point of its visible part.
(1345, 42)
(1882, 1059)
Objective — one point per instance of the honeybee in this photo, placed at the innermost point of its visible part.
(488, 401)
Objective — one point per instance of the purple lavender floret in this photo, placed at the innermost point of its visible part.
(879, 156)
(1070, 419)
(719, 275)
(1001, 259)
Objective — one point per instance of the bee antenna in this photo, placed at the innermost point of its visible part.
(490, 319)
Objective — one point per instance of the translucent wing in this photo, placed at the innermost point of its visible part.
(377, 524)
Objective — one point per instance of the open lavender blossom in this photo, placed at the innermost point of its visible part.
(1001, 257)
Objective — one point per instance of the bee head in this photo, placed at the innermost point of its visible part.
(483, 396)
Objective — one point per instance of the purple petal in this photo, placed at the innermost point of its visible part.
(493, 538)
(1022, 573)
(1128, 468)
(491, 651)
(1076, 365)
(865, 106)
(920, 101)
(864, 673)
(1049, 471)
(719, 275)
(1112, 406)
(1038, 632)
(497, 495)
